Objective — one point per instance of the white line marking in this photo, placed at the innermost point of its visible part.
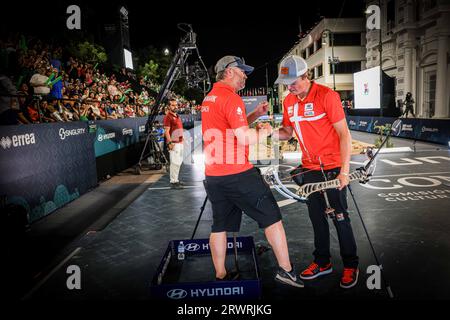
(408, 174)
(167, 188)
(286, 202)
(358, 163)
(394, 150)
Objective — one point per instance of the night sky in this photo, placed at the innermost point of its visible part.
(261, 33)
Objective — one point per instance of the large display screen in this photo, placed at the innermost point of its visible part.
(128, 59)
(366, 84)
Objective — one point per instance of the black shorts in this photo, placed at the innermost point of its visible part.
(243, 192)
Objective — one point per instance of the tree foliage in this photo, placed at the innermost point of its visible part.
(150, 70)
(90, 52)
(383, 132)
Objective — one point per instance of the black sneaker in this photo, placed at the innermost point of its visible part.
(289, 278)
(230, 276)
(175, 185)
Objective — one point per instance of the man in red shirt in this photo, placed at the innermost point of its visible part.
(173, 132)
(315, 113)
(232, 184)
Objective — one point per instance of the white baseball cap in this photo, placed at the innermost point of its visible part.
(291, 68)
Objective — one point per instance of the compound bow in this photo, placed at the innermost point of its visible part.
(362, 174)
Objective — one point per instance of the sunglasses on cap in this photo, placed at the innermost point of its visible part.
(238, 61)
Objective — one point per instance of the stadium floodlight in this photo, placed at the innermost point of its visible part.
(124, 11)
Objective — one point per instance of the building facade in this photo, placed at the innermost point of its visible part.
(415, 51)
(333, 43)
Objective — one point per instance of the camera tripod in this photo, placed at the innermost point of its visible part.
(155, 153)
(236, 270)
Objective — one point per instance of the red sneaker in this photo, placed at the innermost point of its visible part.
(314, 271)
(349, 278)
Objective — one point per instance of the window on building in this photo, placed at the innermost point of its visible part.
(401, 15)
(303, 54)
(429, 4)
(348, 67)
(309, 51)
(318, 44)
(319, 70)
(430, 95)
(390, 14)
(347, 39)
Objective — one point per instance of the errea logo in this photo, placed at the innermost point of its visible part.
(17, 140)
(239, 111)
(6, 142)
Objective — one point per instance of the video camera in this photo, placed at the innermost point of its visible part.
(156, 129)
(195, 74)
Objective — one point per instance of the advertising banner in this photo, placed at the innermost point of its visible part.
(45, 166)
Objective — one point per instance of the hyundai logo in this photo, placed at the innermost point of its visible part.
(191, 247)
(177, 294)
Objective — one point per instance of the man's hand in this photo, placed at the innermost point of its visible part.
(262, 108)
(343, 181)
(170, 146)
(264, 126)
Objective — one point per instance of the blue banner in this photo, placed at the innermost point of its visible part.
(252, 101)
(45, 166)
(112, 135)
(431, 130)
(437, 131)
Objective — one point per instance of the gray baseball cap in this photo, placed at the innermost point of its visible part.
(233, 61)
(291, 68)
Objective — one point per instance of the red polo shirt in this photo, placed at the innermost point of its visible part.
(222, 111)
(176, 127)
(312, 120)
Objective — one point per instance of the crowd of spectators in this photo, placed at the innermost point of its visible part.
(53, 86)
